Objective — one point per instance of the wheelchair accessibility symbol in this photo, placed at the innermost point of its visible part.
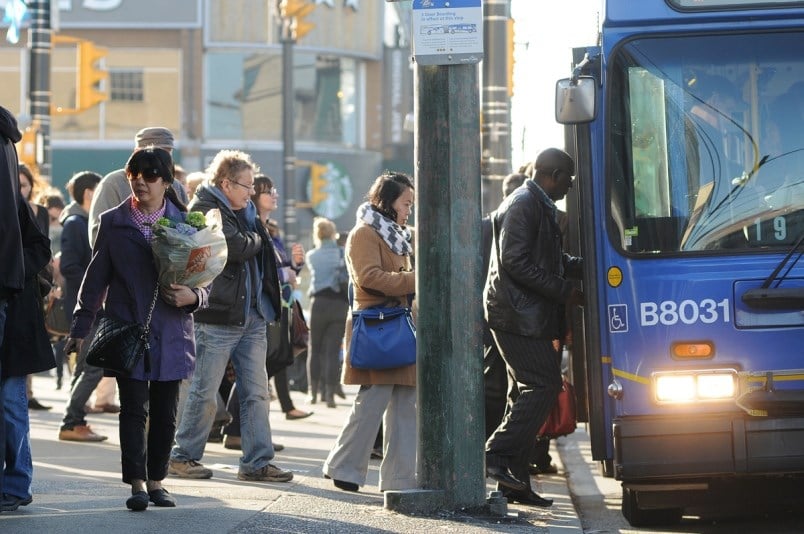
(618, 318)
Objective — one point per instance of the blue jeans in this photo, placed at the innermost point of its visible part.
(215, 345)
(18, 471)
(3, 307)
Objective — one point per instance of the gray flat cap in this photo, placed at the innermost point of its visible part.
(156, 136)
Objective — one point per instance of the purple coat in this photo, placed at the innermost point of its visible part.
(122, 277)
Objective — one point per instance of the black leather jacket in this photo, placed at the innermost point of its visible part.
(526, 287)
(228, 294)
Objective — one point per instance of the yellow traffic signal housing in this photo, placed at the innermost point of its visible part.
(29, 149)
(90, 75)
(297, 10)
(510, 44)
(318, 184)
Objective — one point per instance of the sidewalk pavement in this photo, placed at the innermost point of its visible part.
(77, 487)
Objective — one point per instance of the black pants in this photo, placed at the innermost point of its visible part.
(145, 453)
(495, 386)
(534, 368)
(328, 314)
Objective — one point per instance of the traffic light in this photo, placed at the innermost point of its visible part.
(90, 75)
(510, 44)
(318, 184)
(30, 147)
(297, 10)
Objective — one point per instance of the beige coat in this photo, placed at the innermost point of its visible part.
(374, 267)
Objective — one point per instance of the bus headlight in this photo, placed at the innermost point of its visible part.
(695, 386)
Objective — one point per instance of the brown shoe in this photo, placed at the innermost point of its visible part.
(232, 442)
(80, 433)
(108, 408)
(90, 409)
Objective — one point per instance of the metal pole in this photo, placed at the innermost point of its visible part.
(288, 149)
(496, 104)
(39, 41)
(448, 287)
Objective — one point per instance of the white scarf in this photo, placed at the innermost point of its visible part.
(395, 236)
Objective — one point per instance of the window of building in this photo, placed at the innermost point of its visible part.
(126, 85)
(243, 98)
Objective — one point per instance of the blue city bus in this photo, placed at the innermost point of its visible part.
(686, 120)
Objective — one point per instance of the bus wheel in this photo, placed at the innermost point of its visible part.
(638, 517)
(607, 468)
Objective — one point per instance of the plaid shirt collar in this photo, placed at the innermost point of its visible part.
(144, 221)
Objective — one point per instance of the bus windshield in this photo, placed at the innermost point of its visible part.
(706, 139)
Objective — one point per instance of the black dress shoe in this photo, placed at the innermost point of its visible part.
(34, 404)
(161, 497)
(504, 478)
(530, 498)
(137, 502)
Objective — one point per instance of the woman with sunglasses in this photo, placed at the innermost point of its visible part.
(122, 278)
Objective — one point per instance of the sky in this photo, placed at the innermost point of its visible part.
(544, 35)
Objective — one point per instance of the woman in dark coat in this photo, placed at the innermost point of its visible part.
(26, 349)
(30, 188)
(122, 278)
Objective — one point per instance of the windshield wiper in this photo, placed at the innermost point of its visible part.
(778, 298)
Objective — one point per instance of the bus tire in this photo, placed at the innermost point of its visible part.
(638, 517)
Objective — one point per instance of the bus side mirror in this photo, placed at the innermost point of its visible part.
(575, 100)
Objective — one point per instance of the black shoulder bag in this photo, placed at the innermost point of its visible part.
(119, 346)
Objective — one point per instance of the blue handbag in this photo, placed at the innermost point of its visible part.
(382, 338)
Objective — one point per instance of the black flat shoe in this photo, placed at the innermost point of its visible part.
(530, 498)
(161, 497)
(504, 478)
(137, 502)
(302, 415)
(345, 486)
(342, 484)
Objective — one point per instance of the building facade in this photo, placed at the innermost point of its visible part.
(211, 71)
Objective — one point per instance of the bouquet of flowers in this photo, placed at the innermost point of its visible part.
(191, 251)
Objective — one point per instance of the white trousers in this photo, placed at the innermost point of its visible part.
(395, 407)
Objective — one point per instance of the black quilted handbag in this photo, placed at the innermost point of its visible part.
(119, 346)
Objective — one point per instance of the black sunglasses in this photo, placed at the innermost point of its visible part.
(150, 174)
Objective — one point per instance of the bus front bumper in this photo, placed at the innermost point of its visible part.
(707, 446)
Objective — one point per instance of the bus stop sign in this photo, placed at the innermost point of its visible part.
(447, 32)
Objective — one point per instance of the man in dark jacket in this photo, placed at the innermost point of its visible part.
(76, 254)
(76, 251)
(12, 269)
(243, 299)
(495, 375)
(524, 296)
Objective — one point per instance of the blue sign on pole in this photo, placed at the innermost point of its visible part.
(447, 32)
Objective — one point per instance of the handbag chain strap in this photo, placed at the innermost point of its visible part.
(151, 309)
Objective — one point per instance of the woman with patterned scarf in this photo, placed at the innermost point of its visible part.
(378, 255)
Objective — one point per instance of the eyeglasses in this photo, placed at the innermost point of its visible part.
(250, 187)
(150, 175)
(273, 192)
